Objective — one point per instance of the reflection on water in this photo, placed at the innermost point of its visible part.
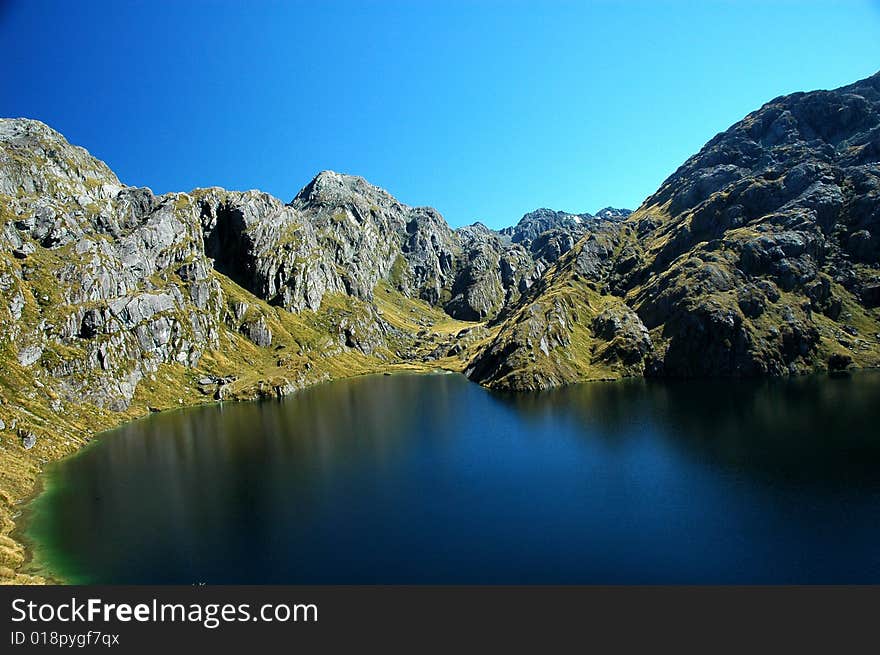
(814, 428)
(433, 479)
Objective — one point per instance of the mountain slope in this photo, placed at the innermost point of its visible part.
(758, 256)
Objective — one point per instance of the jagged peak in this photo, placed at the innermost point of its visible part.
(544, 212)
(14, 128)
(478, 226)
(613, 213)
(329, 186)
(45, 162)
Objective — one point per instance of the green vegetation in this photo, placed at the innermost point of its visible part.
(550, 341)
(398, 272)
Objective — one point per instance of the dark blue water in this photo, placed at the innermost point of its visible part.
(432, 479)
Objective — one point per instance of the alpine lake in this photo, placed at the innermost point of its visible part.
(434, 479)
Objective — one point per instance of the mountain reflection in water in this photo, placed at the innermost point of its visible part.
(432, 479)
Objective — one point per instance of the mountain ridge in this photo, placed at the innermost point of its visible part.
(758, 256)
(117, 302)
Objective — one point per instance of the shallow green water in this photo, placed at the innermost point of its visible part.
(434, 479)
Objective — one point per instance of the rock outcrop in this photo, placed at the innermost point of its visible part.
(339, 235)
(763, 258)
(105, 282)
(568, 327)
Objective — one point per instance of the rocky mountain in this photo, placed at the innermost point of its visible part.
(500, 267)
(758, 256)
(338, 235)
(116, 302)
(104, 283)
(341, 234)
(536, 223)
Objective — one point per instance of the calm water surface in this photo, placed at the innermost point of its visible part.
(432, 479)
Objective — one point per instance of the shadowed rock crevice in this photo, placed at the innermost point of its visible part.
(227, 243)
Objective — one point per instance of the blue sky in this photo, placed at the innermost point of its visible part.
(484, 110)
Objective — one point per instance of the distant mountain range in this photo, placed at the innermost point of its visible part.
(758, 256)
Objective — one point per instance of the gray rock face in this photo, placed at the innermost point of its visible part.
(35, 160)
(30, 354)
(497, 269)
(534, 224)
(258, 332)
(430, 253)
(104, 259)
(478, 291)
(627, 338)
(566, 329)
(342, 235)
(339, 235)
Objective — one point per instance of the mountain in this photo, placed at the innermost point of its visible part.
(103, 282)
(758, 256)
(534, 224)
(117, 302)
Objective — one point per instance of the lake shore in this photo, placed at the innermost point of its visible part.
(20, 552)
(639, 481)
(22, 484)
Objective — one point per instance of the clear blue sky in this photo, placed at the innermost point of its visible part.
(484, 110)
